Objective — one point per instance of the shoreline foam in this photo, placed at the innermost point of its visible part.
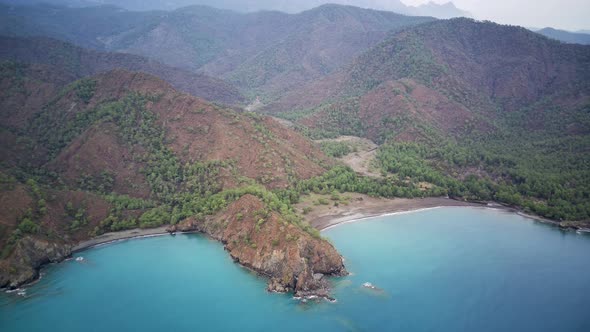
(387, 214)
(327, 220)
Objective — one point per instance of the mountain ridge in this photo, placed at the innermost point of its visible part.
(264, 53)
(446, 10)
(566, 36)
(83, 62)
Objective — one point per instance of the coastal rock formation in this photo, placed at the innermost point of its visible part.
(265, 242)
(28, 256)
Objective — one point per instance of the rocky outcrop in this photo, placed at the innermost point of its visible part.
(27, 258)
(263, 241)
(583, 226)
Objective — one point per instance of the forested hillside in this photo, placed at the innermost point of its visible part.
(498, 108)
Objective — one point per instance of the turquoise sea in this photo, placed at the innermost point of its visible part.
(447, 269)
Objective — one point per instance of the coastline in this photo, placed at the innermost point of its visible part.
(372, 207)
(365, 207)
(347, 220)
(361, 207)
(376, 207)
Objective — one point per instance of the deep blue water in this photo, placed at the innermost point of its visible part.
(448, 269)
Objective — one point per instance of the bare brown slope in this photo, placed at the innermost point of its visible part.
(198, 131)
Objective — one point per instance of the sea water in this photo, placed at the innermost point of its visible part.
(447, 269)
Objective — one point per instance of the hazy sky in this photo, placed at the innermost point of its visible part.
(564, 14)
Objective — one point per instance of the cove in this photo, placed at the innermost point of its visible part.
(447, 269)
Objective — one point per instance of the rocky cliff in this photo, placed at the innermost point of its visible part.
(28, 256)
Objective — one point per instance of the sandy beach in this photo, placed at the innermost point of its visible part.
(118, 236)
(362, 206)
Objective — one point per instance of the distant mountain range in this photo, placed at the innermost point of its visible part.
(446, 10)
(566, 36)
(264, 53)
(433, 9)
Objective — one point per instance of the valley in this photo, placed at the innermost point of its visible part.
(355, 152)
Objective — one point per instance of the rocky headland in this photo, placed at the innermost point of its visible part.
(261, 240)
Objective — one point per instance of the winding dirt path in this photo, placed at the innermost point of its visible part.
(361, 161)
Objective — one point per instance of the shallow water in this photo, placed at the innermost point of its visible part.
(448, 269)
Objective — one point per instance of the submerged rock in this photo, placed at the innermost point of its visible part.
(374, 290)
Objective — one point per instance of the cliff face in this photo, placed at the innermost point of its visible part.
(28, 256)
(263, 241)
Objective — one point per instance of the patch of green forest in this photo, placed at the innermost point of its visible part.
(546, 176)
